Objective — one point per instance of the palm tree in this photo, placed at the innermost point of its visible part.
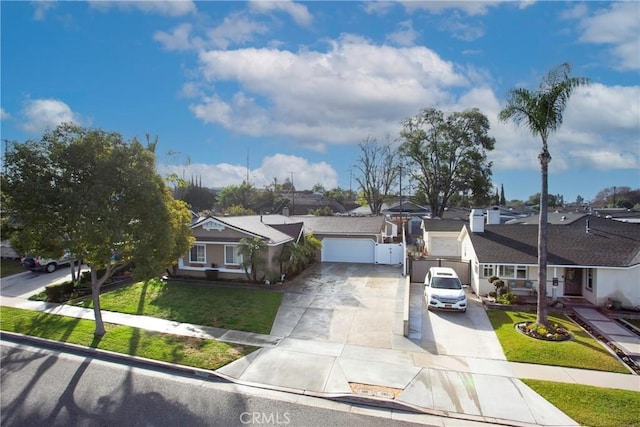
(541, 111)
(252, 256)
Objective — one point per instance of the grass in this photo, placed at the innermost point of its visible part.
(582, 352)
(591, 406)
(250, 310)
(9, 267)
(199, 353)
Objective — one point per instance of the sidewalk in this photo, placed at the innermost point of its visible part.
(460, 388)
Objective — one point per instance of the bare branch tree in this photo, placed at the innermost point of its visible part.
(378, 168)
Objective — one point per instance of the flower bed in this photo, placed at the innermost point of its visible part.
(551, 332)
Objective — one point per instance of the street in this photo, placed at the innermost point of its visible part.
(45, 387)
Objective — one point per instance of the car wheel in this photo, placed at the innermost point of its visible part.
(51, 267)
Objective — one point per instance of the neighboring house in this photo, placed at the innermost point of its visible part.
(440, 237)
(366, 239)
(588, 256)
(7, 251)
(217, 243)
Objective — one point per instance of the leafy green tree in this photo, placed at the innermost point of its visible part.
(379, 171)
(92, 193)
(302, 254)
(503, 200)
(238, 210)
(234, 195)
(448, 154)
(252, 251)
(541, 112)
(197, 197)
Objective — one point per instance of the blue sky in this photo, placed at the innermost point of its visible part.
(291, 88)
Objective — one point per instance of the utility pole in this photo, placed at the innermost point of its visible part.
(293, 197)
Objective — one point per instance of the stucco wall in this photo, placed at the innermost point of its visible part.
(618, 284)
(442, 244)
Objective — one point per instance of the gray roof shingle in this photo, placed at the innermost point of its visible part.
(366, 225)
(609, 243)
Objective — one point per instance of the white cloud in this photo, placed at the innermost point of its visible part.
(315, 98)
(617, 26)
(168, 8)
(378, 7)
(178, 39)
(468, 7)
(40, 115)
(40, 9)
(305, 173)
(297, 11)
(460, 29)
(236, 28)
(405, 35)
(4, 115)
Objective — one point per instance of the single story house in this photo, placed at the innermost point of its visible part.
(368, 239)
(217, 243)
(592, 257)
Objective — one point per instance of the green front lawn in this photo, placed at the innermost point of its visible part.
(237, 308)
(199, 353)
(9, 267)
(582, 352)
(591, 406)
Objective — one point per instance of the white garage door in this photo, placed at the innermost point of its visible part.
(348, 250)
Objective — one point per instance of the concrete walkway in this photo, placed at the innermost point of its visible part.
(467, 389)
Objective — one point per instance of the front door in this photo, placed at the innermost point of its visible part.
(573, 281)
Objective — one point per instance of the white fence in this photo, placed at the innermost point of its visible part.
(389, 253)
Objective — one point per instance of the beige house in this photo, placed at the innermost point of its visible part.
(217, 242)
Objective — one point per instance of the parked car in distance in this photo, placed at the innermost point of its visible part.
(443, 290)
(45, 264)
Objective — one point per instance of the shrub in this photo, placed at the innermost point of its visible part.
(507, 298)
(60, 292)
(492, 294)
(492, 279)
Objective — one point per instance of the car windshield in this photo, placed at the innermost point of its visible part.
(446, 283)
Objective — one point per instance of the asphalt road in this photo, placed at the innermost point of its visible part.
(45, 387)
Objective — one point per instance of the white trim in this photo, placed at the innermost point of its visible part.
(181, 266)
(200, 245)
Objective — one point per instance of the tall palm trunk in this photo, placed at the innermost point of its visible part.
(545, 158)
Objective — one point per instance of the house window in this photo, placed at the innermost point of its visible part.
(505, 271)
(511, 271)
(590, 274)
(197, 254)
(232, 255)
(487, 270)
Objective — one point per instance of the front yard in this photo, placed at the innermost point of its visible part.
(582, 351)
(199, 353)
(227, 307)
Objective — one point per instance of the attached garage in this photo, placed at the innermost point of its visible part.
(348, 250)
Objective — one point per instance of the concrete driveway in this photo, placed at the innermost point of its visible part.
(342, 303)
(341, 329)
(27, 283)
(467, 334)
